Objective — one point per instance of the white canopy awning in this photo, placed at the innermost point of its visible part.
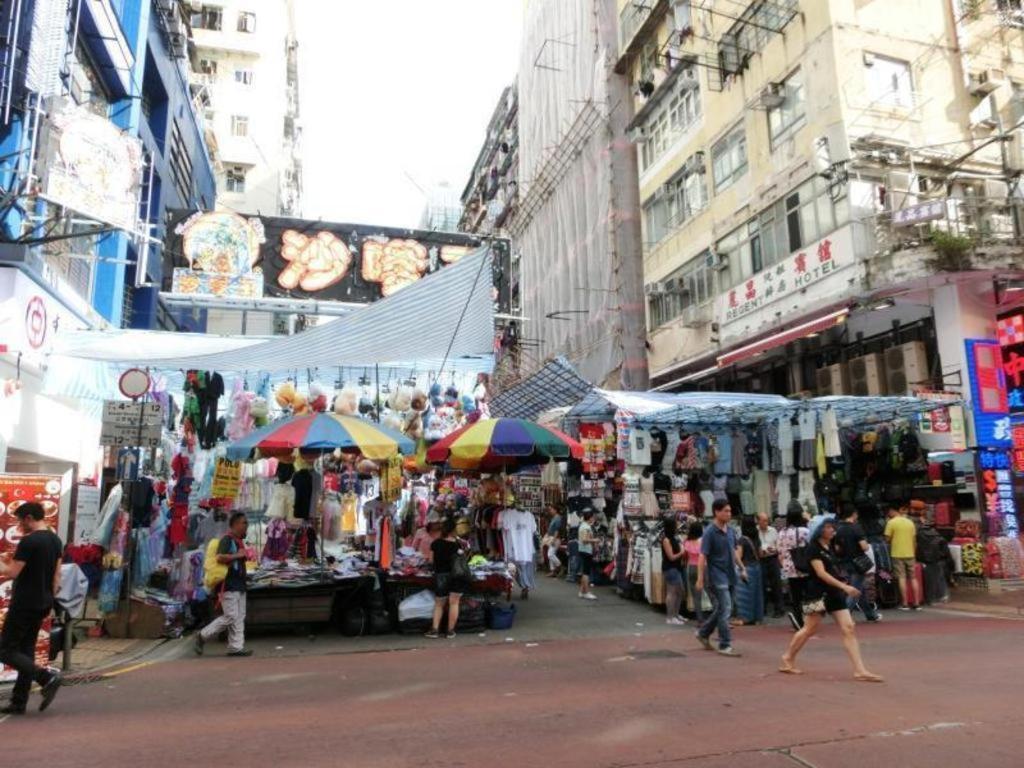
(448, 314)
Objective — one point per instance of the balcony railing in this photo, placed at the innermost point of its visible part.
(950, 225)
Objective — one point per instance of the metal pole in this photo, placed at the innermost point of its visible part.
(376, 410)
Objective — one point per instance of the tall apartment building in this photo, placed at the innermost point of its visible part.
(829, 188)
(247, 78)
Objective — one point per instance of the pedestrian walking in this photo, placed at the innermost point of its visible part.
(826, 593)
(672, 557)
(750, 591)
(771, 569)
(792, 536)
(230, 552)
(901, 533)
(553, 540)
(449, 582)
(718, 565)
(692, 548)
(586, 554)
(852, 547)
(35, 569)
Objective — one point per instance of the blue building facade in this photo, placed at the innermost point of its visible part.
(127, 62)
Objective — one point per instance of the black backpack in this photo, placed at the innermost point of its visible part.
(800, 558)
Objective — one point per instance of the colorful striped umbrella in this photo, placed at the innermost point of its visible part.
(321, 433)
(493, 444)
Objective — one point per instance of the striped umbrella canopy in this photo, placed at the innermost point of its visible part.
(493, 444)
(322, 433)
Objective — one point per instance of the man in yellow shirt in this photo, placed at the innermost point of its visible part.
(901, 534)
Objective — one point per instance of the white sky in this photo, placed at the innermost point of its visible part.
(395, 87)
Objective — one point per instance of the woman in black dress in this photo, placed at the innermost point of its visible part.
(826, 593)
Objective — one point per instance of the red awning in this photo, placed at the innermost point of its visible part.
(783, 337)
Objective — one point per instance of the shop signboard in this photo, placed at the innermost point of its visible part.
(989, 404)
(998, 504)
(1010, 334)
(87, 512)
(30, 317)
(528, 492)
(316, 260)
(815, 273)
(90, 165)
(131, 424)
(943, 429)
(919, 214)
(227, 479)
(16, 490)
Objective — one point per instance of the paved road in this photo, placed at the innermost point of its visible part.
(649, 697)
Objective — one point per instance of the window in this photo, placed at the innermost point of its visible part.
(246, 21)
(729, 158)
(208, 67)
(210, 17)
(762, 21)
(690, 285)
(234, 180)
(239, 126)
(788, 115)
(243, 76)
(1011, 12)
(675, 114)
(679, 200)
(181, 165)
(888, 81)
(800, 218)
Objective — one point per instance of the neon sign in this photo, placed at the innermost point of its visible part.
(988, 394)
(997, 492)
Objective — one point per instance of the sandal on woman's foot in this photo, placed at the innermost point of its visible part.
(869, 677)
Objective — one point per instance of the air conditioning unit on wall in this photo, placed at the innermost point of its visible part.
(866, 375)
(906, 368)
(832, 380)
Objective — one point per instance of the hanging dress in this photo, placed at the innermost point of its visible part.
(648, 500)
(807, 423)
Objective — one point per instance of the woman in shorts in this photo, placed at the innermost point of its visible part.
(447, 589)
(826, 592)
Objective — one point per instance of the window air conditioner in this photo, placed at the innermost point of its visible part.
(695, 316)
(866, 376)
(773, 95)
(637, 135)
(906, 368)
(655, 289)
(984, 115)
(688, 78)
(986, 81)
(694, 163)
(832, 380)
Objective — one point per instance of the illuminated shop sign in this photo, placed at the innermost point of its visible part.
(988, 394)
(997, 491)
(221, 249)
(1010, 333)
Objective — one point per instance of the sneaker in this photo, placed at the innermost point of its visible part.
(915, 607)
(241, 654)
(589, 596)
(682, 619)
(730, 651)
(450, 636)
(903, 608)
(10, 709)
(875, 619)
(432, 635)
(706, 642)
(199, 645)
(675, 622)
(50, 691)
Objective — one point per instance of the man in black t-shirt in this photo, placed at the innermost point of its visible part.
(35, 569)
(230, 552)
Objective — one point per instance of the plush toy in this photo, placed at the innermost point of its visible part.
(414, 415)
(435, 425)
(260, 412)
(317, 397)
(451, 397)
(346, 403)
(300, 404)
(400, 400)
(285, 394)
(366, 406)
(240, 420)
(436, 400)
(470, 415)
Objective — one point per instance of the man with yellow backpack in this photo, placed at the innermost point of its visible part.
(226, 578)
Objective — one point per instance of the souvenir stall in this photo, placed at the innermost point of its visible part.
(502, 531)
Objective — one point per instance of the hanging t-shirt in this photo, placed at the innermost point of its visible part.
(830, 428)
(639, 447)
(519, 528)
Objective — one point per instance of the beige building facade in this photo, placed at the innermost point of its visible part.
(828, 188)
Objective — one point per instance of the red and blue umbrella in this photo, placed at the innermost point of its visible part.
(493, 444)
(322, 433)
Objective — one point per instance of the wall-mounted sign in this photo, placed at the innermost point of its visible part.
(816, 274)
(998, 503)
(919, 214)
(319, 260)
(29, 317)
(131, 424)
(90, 165)
(988, 394)
(222, 250)
(943, 429)
(1010, 334)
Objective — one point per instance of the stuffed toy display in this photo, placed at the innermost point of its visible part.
(414, 415)
(317, 397)
(260, 412)
(291, 400)
(240, 418)
(347, 402)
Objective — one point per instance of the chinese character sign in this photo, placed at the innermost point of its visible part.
(998, 502)
(1010, 332)
(988, 394)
